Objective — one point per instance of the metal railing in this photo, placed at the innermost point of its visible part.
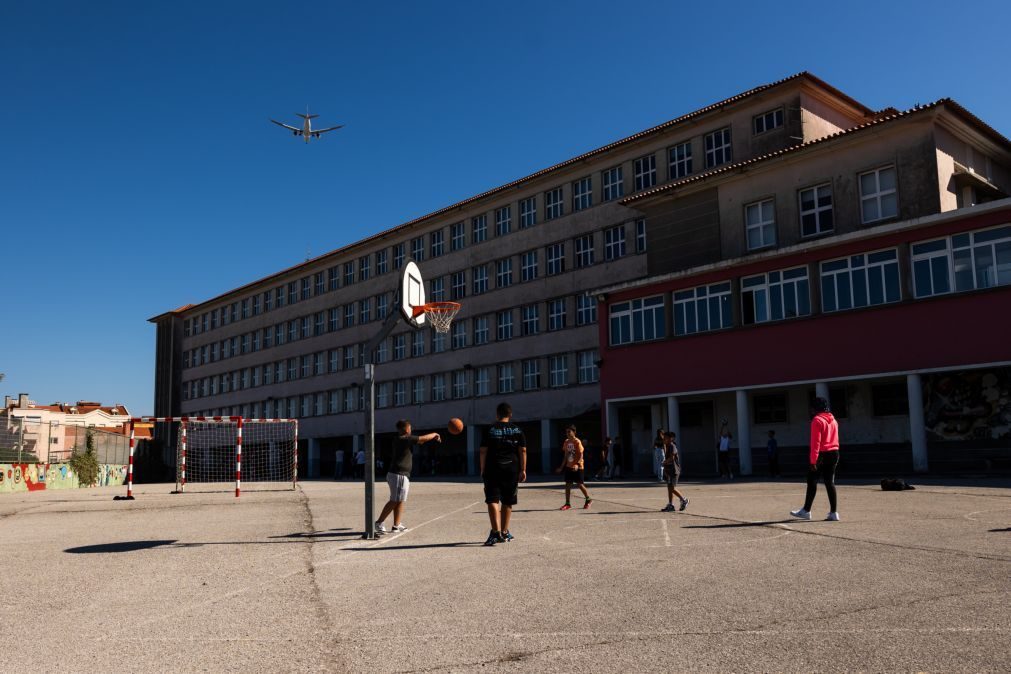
(24, 440)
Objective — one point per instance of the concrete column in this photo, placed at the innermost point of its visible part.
(821, 390)
(549, 443)
(473, 447)
(917, 426)
(313, 457)
(613, 427)
(744, 432)
(674, 417)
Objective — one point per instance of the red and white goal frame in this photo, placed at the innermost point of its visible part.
(184, 425)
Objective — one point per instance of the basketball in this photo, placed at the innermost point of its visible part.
(455, 426)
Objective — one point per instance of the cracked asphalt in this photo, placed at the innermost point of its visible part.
(281, 581)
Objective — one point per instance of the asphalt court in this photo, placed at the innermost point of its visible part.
(281, 580)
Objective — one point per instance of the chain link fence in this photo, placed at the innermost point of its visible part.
(26, 440)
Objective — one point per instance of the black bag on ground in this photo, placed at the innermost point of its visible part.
(894, 484)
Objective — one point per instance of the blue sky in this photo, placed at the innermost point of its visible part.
(138, 171)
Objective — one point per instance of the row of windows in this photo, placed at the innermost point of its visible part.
(502, 378)
(878, 202)
(956, 263)
(887, 399)
(464, 332)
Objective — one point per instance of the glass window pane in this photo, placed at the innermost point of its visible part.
(991, 235)
(754, 238)
(963, 269)
(828, 293)
(984, 267)
(776, 302)
(845, 301)
(869, 210)
(679, 319)
(859, 280)
(876, 290)
(921, 278)
(868, 185)
(939, 275)
(803, 298)
(892, 283)
(886, 179)
(1003, 263)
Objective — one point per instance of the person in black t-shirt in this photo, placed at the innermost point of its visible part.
(503, 467)
(398, 476)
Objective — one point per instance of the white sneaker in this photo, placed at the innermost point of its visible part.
(801, 514)
(380, 528)
(399, 528)
(832, 517)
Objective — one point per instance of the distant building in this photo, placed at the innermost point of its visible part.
(51, 432)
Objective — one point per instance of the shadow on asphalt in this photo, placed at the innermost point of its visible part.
(992, 531)
(468, 544)
(735, 525)
(124, 546)
(321, 534)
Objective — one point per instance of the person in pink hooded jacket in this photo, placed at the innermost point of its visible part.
(823, 459)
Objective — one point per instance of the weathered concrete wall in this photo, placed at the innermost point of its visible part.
(39, 476)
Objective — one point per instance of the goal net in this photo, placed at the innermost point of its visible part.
(216, 455)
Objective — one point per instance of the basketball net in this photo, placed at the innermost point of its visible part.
(441, 314)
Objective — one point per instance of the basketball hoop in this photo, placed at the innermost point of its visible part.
(441, 314)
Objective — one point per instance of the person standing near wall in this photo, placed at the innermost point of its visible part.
(338, 473)
(772, 451)
(723, 450)
(616, 457)
(604, 471)
(823, 459)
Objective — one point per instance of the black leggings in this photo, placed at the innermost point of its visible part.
(826, 466)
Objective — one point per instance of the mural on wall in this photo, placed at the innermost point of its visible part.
(38, 476)
(973, 405)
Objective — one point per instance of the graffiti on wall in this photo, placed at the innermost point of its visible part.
(973, 405)
(39, 476)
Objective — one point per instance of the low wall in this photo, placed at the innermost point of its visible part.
(16, 477)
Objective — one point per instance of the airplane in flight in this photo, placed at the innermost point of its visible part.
(307, 131)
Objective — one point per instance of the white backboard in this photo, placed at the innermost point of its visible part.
(412, 294)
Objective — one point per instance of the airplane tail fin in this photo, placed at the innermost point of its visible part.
(306, 116)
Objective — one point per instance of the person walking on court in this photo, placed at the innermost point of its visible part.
(360, 464)
(572, 464)
(772, 452)
(503, 458)
(823, 459)
(398, 477)
(338, 473)
(672, 472)
(604, 471)
(723, 451)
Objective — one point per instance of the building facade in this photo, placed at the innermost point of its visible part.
(520, 258)
(871, 267)
(51, 433)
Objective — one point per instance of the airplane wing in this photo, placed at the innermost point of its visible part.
(290, 128)
(332, 128)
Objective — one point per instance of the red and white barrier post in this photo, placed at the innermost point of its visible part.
(129, 467)
(238, 456)
(182, 459)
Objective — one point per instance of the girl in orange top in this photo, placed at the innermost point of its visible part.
(572, 463)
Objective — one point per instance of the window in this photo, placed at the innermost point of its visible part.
(582, 194)
(506, 378)
(640, 235)
(319, 283)
(531, 374)
(760, 224)
(292, 369)
(333, 360)
(350, 396)
(334, 277)
(528, 266)
(767, 121)
(645, 172)
(438, 387)
(438, 242)
(531, 320)
(417, 343)
(305, 370)
(257, 306)
(558, 371)
(349, 273)
(717, 146)
(458, 285)
(556, 258)
(349, 315)
(364, 311)
(588, 372)
(816, 210)
(306, 291)
(771, 408)
(480, 279)
(457, 236)
(553, 206)
(503, 220)
(478, 229)
(279, 296)
(460, 385)
(437, 290)
(878, 200)
(319, 325)
(528, 212)
(482, 381)
(679, 161)
(400, 346)
(459, 334)
(245, 346)
(333, 402)
(775, 296)
(861, 280)
(306, 405)
(318, 363)
(584, 251)
(614, 184)
(334, 319)
(504, 273)
(418, 390)
(187, 329)
(556, 314)
(382, 261)
(891, 399)
(383, 351)
(418, 249)
(637, 320)
(382, 306)
(399, 393)
(480, 330)
(505, 325)
(702, 309)
(278, 334)
(268, 301)
(586, 310)
(614, 243)
(349, 357)
(969, 261)
(398, 256)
